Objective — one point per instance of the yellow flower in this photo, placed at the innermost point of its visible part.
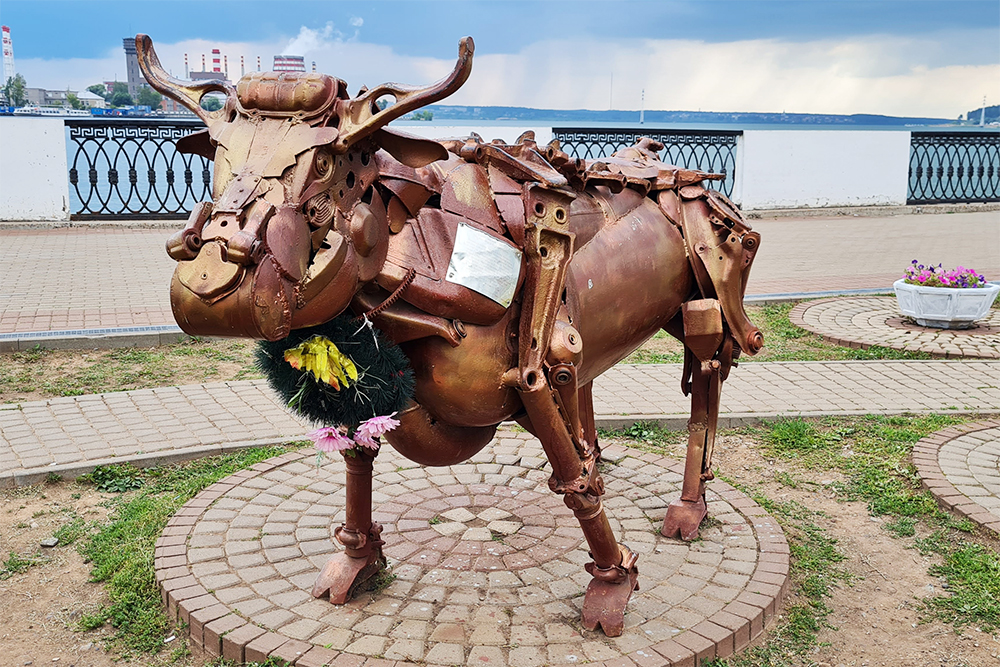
(320, 356)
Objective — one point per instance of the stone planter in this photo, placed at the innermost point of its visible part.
(945, 307)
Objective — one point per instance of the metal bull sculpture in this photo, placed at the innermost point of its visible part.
(510, 275)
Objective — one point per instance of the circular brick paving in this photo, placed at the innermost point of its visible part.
(862, 322)
(487, 565)
(961, 467)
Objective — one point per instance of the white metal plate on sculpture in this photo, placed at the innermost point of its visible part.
(484, 264)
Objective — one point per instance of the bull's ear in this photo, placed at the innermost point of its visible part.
(185, 92)
(361, 117)
(197, 143)
(412, 151)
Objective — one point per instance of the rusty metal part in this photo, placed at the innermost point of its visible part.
(362, 558)
(683, 518)
(450, 444)
(361, 116)
(607, 596)
(318, 207)
(722, 248)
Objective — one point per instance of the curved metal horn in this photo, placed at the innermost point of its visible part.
(187, 93)
(360, 117)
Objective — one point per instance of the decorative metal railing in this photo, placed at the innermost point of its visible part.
(707, 150)
(954, 167)
(131, 168)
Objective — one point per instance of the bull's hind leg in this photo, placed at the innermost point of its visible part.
(576, 478)
(362, 558)
(708, 356)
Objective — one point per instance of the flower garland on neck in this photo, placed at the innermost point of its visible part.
(353, 381)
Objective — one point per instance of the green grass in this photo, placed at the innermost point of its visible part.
(872, 452)
(18, 564)
(76, 372)
(121, 550)
(815, 569)
(783, 341)
(68, 533)
(972, 575)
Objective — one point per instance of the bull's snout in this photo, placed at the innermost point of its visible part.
(238, 278)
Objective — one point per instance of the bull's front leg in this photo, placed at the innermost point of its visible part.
(546, 380)
(346, 572)
(576, 478)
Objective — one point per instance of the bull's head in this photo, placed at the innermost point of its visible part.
(296, 224)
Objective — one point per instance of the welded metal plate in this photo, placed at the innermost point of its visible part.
(484, 264)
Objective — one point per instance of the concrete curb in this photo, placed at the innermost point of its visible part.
(92, 339)
(870, 211)
(925, 460)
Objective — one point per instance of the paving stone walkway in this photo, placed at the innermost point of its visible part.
(120, 276)
(961, 467)
(69, 436)
(863, 322)
(487, 565)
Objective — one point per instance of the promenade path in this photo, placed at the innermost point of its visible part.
(69, 436)
(236, 564)
(61, 279)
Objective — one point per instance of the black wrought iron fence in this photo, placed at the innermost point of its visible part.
(954, 167)
(131, 168)
(707, 150)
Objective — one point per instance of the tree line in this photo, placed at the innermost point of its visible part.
(16, 92)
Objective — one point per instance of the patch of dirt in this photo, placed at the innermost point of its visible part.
(40, 609)
(875, 619)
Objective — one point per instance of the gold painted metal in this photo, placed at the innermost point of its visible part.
(318, 208)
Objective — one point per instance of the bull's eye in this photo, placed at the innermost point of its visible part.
(324, 163)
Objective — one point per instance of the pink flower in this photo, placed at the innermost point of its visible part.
(329, 439)
(367, 433)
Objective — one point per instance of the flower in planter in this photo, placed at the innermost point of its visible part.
(934, 276)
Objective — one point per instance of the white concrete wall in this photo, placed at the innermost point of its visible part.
(543, 135)
(817, 168)
(34, 177)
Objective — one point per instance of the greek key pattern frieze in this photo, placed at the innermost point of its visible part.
(127, 168)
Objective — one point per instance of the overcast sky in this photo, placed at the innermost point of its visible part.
(906, 57)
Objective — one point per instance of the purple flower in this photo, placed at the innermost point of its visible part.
(329, 439)
(368, 432)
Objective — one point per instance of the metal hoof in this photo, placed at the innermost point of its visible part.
(343, 575)
(604, 604)
(683, 518)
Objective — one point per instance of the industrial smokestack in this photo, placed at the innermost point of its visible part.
(8, 56)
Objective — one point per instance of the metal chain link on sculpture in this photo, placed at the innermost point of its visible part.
(515, 275)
